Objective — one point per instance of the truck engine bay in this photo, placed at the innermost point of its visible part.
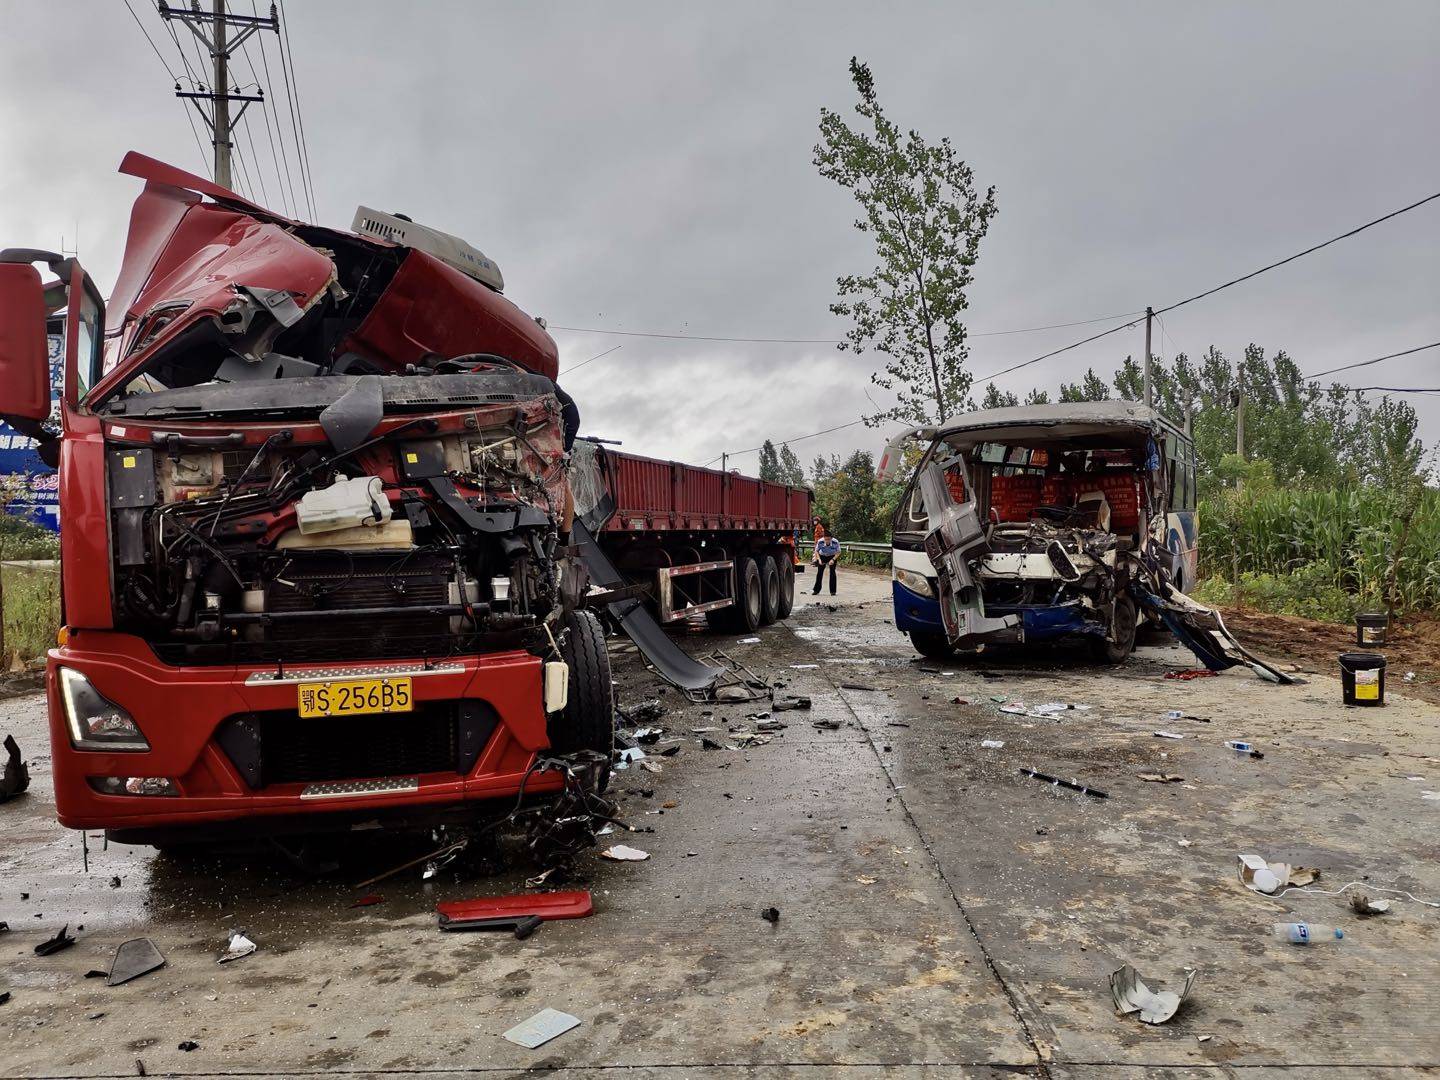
(431, 536)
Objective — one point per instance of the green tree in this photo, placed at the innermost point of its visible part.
(995, 398)
(846, 500)
(791, 472)
(1092, 388)
(920, 205)
(769, 463)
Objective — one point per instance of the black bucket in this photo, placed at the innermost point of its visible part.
(1370, 629)
(1362, 675)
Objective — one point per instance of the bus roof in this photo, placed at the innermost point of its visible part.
(1064, 418)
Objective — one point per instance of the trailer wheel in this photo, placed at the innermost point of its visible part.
(588, 720)
(785, 567)
(749, 604)
(931, 645)
(1120, 642)
(769, 590)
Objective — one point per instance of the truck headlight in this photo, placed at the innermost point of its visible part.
(916, 583)
(96, 723)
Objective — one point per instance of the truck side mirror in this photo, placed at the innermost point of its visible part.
(24, 364)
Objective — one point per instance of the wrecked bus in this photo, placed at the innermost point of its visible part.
(1043, 522)
(317, 568)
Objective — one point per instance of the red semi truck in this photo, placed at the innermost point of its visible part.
(321, 562)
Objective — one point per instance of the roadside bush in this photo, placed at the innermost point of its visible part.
(32, 610)
(21, 539)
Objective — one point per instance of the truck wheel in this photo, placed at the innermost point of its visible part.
(785, 567)
(931, 645)
(769, 590)
(588, 720)
(1120, 642)
(749, 599)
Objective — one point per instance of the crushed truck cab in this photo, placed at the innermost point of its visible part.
(316, 558)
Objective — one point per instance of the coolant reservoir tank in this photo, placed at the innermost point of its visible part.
(343, 505)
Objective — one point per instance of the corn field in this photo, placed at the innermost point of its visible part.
(1344, 539)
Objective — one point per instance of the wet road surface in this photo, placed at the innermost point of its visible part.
(940, 913)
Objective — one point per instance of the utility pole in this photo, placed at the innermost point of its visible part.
(1149, 390)
(220, 45)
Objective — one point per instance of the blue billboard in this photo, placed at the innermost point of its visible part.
(28, 486)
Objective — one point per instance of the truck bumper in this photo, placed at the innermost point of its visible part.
(232, 744)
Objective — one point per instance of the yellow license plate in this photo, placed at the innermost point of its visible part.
(352, 697)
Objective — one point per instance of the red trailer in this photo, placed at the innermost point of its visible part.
(703, 540)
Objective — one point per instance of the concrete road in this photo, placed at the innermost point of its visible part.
(940, 912)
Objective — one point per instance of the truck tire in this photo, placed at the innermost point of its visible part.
(1120, 642)
(749, 604)
(588, 720)
(769, 590)
(931, 645)
(785, 567)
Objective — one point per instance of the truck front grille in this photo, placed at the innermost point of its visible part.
(278, 747)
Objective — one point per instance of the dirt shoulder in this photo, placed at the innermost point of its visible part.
(1414, 645)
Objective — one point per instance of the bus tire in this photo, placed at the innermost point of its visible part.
(785, 568)
(1116, 646)
(931, 645)
(749, 603)
(588, 720)
(769, 590)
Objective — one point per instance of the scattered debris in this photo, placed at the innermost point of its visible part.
(750, 738)
(60, 941)
(749, 641)
(771, 915)
(709, 744)
(1191, 673)
(803, 667)
(1072, 785)
(866, 880)
(1242, 747)
(4, 996)
(1015, 707)
(1302, 933)
(188, 1045)
(541, 1028)
(856, 686)
(368, 900)
(240, 946)
(16, 776)
(1260, 876)
(1363, 906)
(1409, 676)
(992, 744)
(621, 853)
(1168, 735)
(509, 912)
(1176, 714)
(134, 958)
(1154, 1006)
(1160, 778)
(785, 704)
(826, 725)
(770, 724)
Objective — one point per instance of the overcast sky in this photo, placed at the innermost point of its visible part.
(647, 167)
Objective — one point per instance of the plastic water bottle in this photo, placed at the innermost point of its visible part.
(1299, 933)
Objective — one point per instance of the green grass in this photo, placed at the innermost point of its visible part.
(32, 611)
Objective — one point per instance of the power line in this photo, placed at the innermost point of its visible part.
(783, 442)
(1367, 363)
(592, 359)
(820, 341)
(266, 108)
(292, 206)
(288, 57)
(1226, 285)
(194, 132)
